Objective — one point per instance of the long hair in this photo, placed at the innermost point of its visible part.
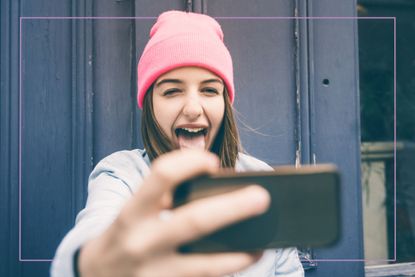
(226, 144)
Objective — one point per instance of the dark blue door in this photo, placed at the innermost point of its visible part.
(68, 100)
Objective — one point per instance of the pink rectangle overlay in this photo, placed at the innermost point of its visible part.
(26, 18)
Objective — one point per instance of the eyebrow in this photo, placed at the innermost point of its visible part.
(212, 81)
(177, 81)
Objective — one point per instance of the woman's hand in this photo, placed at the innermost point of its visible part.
(143, 239)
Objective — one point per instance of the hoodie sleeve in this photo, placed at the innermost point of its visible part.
(110, 185)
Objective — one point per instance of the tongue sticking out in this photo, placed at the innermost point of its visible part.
(194, 141)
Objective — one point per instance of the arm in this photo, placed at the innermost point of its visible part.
(110, 185)
(139, 243)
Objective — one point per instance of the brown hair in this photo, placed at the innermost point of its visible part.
(226, 144)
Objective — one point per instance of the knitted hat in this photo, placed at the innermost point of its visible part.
(181, 39)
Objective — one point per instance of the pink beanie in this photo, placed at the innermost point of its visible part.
(180, 39)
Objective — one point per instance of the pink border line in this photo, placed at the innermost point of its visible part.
(243, 18)
(394, 134)
(216, 17)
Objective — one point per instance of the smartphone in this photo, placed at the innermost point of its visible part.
(304, 209)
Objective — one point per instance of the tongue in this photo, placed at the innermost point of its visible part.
(194, 142)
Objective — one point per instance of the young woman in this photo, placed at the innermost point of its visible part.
(128, 227)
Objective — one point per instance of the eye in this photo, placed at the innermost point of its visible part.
(210, 90)
(171, 92)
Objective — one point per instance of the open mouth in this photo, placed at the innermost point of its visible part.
(191, 137)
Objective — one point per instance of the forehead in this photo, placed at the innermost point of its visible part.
(189, 73)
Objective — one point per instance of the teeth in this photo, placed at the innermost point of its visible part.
(192, 130)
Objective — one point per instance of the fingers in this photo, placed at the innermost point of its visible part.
(177, 166)
(172, 169)
(199, 264)
(201, 217)
(167, 172)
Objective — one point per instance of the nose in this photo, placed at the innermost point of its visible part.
(192, 108)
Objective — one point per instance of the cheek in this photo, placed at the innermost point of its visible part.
(217, 112)
(164, 117)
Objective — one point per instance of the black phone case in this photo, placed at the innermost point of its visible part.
(304, 210)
